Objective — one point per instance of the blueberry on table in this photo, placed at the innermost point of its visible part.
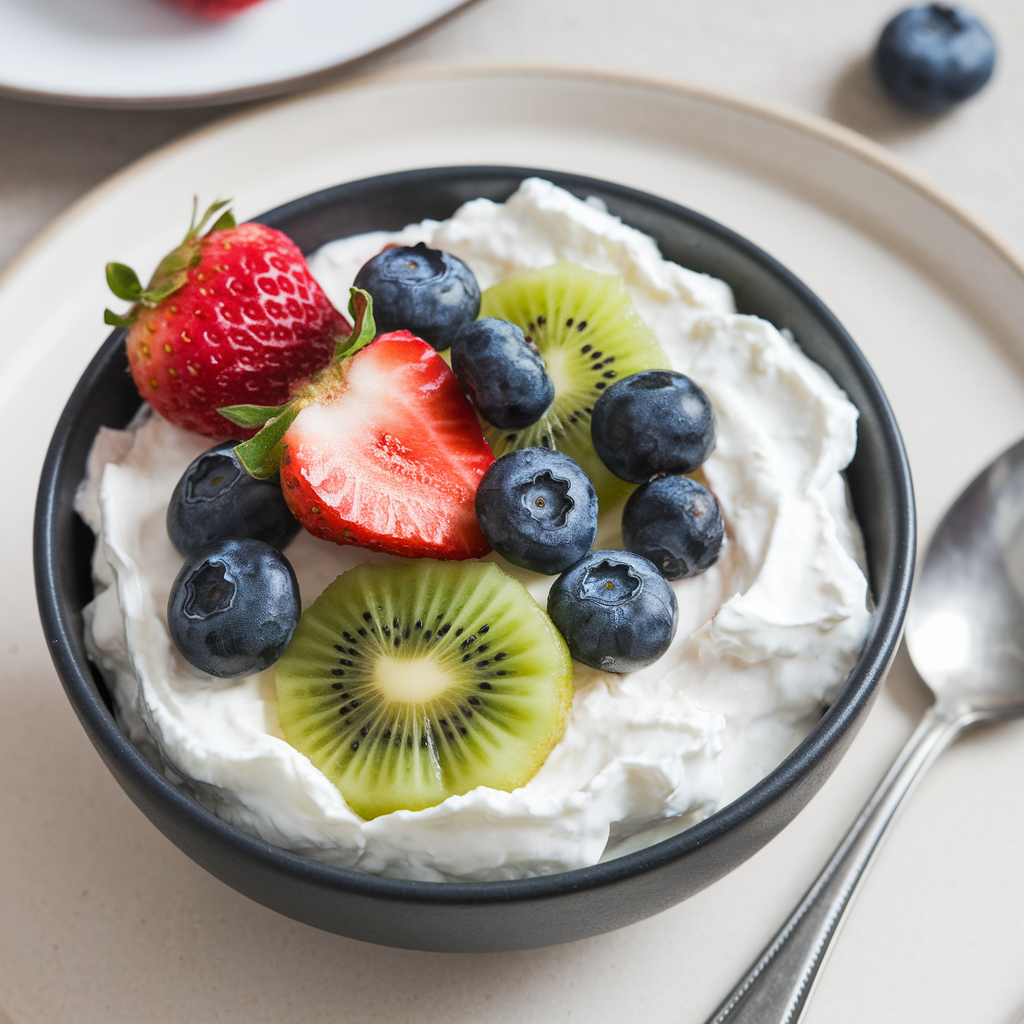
(504, 379)
(615, 610)
(652, 423)
(932, 56)
(426, 291)
(215, 499)
(233, 607)
(676, 523)
(538, 508)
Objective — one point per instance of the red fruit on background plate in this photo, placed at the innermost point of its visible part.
(230, 317)
(390, 457)
(214, 9)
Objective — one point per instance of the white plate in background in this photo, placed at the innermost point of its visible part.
(150, 53)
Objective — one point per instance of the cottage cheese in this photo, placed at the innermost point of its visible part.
(766, 636)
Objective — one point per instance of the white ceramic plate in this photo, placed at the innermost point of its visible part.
(104, 920)
(149, 53)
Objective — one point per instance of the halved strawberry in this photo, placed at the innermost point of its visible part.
(381, 450)
(231, 316)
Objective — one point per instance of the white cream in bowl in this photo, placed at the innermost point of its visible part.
(766, 636)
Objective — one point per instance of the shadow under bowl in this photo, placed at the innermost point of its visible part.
(532, 912)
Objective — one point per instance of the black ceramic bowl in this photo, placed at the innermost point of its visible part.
(533, 912)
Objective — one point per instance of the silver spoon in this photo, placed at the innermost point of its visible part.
(965, 634)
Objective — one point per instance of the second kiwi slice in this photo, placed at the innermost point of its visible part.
(412, 682)
(587, 329)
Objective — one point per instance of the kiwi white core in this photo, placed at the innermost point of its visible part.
(560, 370)
(410, 680)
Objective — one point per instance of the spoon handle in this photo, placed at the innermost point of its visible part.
(776, 989)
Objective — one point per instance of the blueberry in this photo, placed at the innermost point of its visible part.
(676, 523)
(426, 291)
(932, 56)
(615, 611)
(233, 607)
(652, 423)
(537, 508)
(503, 377)
(215, 499)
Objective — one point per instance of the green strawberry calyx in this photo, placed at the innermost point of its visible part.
(171, 273)
(261, 455)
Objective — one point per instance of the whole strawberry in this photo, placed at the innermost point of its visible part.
(215, 10)
(230, 317)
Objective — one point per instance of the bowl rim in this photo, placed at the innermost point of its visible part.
(844, 713)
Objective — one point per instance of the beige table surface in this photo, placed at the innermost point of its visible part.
(809, 54)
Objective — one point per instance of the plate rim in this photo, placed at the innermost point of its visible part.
(820, 128)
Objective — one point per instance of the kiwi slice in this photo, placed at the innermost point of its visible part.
(412, 682)
(587, 329)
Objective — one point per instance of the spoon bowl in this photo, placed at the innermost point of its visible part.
(965, 626)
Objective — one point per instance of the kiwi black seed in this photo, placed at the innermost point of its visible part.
(587, 329)
(412, 682)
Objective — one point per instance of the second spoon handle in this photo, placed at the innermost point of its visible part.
(776, 989)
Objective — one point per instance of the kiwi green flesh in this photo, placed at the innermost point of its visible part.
(587, 329)
(411, 682)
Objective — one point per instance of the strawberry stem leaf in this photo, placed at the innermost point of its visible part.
(155, 294)
(364, 329)
(173, 263)
(224, 222)
(112, 319)
(123, 282)
(211, 211)
(261, 455)
(252, 415)
(171, 273)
